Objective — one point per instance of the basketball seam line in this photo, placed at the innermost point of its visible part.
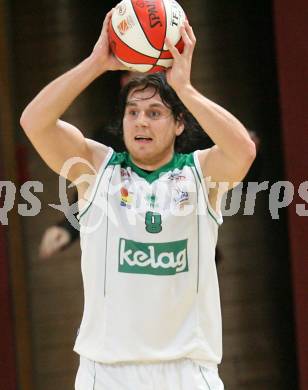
(145, 55)
(143, 29)
(157, 59)
(124, 43)
(161, 50)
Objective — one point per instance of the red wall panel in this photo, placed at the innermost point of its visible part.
(7, 355)
(292, 61)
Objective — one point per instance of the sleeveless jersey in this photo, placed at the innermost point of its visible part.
(148, 265)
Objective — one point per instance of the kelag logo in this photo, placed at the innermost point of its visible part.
(167, 258)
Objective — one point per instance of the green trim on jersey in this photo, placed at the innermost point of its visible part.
(83, 212)
(178, 161)
(207, 206)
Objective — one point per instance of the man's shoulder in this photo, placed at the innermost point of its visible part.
(183, 159)
(118, 158)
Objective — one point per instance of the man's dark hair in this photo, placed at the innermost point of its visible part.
(192, 134)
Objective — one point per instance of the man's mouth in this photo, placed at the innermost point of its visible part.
(143, 139)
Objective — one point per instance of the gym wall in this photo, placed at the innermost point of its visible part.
(235, 66)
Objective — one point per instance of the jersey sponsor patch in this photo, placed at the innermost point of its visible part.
(176, 176)
(167, 258)
(126, 198)
(180, 197)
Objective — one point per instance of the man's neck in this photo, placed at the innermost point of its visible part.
(152, 166)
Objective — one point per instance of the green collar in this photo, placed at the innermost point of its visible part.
(178, 161)
(151, 176)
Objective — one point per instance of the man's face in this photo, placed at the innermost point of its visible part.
(149, 127)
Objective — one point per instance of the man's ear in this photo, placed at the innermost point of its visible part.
(180, 126)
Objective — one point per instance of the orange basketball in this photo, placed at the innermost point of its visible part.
(138, 30)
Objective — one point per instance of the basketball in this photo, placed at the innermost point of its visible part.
(137, 33)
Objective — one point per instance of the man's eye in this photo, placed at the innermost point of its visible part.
(154, 114)
(132, 112)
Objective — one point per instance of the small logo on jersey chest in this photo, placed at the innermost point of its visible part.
(151, 200)
(180, 197)
(125, 173)
(167, 258)
(126, 198)
(176, 176)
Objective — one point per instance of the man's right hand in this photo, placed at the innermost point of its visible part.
(102, 51)
(54, 240)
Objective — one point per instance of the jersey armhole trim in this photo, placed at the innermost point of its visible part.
(98, 179)
(214, 214)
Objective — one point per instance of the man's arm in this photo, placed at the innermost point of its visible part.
(55, 140)
(234, 151)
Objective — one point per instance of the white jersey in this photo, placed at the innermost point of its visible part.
(148, 265)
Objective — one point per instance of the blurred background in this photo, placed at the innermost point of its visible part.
(251, 57)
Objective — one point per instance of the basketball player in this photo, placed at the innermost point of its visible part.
(149, 226)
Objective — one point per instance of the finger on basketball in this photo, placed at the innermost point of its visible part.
(106, 20)
(190, 32)
(173, 50)
(185, 36)
(187, 41)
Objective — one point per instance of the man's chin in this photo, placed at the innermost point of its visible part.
(147, 156)
(143, 156)
(143, 152)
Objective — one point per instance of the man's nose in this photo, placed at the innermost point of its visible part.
(142, 119)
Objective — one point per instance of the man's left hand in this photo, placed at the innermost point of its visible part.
(178, 76)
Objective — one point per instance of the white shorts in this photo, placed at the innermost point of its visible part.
(181, 374)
